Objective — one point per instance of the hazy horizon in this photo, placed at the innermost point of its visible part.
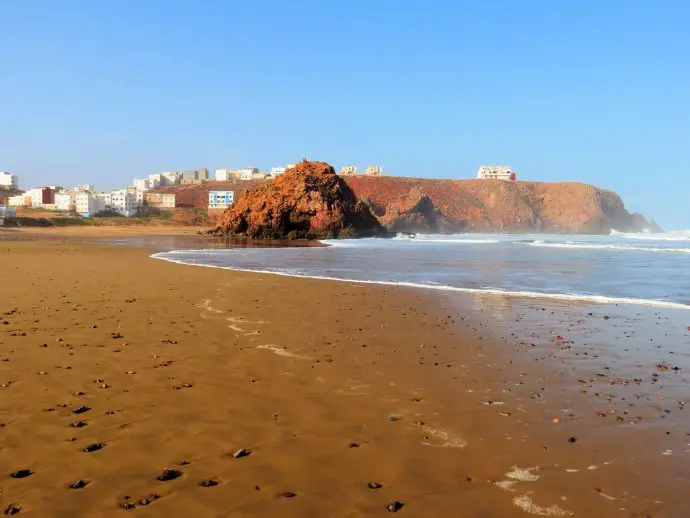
(102, 92)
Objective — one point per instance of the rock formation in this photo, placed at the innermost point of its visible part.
(420, 205)
(307, 201)
(495, 206)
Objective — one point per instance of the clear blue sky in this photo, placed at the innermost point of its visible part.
(583, 90)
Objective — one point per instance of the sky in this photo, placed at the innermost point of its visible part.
(100, 92)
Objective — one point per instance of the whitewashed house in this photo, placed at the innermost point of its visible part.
(220, 200)
(65, 202)
(88, 204)
(123, 202)
(496, 172)
(248, 173)
(9, 180)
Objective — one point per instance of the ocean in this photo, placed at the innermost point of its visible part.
(633, 269)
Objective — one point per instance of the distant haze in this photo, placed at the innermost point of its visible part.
(596, 92)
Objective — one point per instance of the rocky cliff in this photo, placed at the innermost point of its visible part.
(415, 204)
(307, 201)
(446, 206)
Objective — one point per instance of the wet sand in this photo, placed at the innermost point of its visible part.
(330, 388)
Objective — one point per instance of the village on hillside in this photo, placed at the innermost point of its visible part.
(147, 195)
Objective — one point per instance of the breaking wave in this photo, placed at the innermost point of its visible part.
(569, 297)
(621, 248)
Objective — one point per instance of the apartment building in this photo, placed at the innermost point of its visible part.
(220, 200)
(41, 196)
(227, 175)
(275, 171)
(66, 202)
(141, 184)
(87, 204)
(123, 202)
(170, 178)
(374, 170)
(160, 200)
(496, 172)
(9, 180)
(248, 173)
(348, 170)
(20, 200)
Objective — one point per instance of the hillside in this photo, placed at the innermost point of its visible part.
(424, 205)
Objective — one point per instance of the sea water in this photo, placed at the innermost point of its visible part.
(636, 269)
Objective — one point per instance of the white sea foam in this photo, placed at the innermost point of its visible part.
(675, 235)
(460, 239)
(569, 297)
(622, 248)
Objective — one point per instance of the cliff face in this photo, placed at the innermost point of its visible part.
(411, 204)
(307, 201)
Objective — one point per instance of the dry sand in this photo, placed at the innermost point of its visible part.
(327, 386)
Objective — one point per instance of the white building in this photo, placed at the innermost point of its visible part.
(248, 173)
(155, 180)
(275, 171)
(106, 200)
(348, 170)
(141, 184)
(20, 200)
(496, 172)
(223, 175)
(37, 197)
(220, 199)
(170, 178)
(65, 202)
(84, 187)
(374, 170)
(124, 202)
(87, 204)
(8, 180)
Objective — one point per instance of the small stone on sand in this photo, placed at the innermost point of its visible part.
(22, 473)
(169, 474)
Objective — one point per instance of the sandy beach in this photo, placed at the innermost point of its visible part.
(273, 396)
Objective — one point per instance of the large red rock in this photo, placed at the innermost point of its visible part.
(307, 201)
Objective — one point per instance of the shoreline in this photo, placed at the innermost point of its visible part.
(530, 295)
(432, 388)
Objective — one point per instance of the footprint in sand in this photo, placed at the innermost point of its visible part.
(282, 351)
(518, 475)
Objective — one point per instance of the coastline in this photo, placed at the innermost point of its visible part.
(436, 395)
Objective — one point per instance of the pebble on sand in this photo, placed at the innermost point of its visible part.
(12, 509)
(78, 484)
(241, 453)
(146, 500)
(94, 447)
(169, 474)
(288, 494)
(22, 473)
(394, 507)
(374, 485)
(81, 410)
(209, 483)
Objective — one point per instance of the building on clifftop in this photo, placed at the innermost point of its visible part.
(496, 172)
(348, 170)
(374, 170)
